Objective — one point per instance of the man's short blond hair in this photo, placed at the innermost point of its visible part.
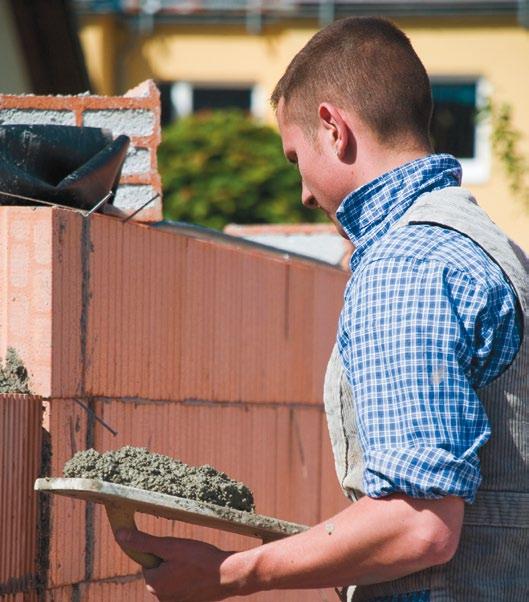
(364, 64)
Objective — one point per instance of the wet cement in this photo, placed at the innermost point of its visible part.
(44, 510)
(140, 468)
(14, 376)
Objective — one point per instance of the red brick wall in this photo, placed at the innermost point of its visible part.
(209, 351)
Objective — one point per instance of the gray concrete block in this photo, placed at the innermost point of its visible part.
(137, 161)
(36, 117)
(131, 122)
(132, 196)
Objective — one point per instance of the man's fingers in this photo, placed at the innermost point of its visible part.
(142, 542)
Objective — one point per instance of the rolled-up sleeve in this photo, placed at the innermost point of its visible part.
(407, 338)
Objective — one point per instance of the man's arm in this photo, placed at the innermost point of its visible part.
(371, 541)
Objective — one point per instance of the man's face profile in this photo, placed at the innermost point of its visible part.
(314, 160)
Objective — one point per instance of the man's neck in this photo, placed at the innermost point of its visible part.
(370, 209)
(374, 164)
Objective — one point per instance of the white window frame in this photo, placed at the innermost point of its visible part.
(182, 96)
(476, 170)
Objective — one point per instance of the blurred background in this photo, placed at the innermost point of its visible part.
(217, 61)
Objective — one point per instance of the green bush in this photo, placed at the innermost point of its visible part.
(506, 141)
(222, 166)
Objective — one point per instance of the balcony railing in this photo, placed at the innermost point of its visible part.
(259, 11)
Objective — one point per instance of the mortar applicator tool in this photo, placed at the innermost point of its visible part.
(122, 502)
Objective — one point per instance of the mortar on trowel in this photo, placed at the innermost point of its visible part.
(133, 480)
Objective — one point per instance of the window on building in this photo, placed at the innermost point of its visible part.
(221, 98)
(167, 109)
(456, 128)
(183, 98)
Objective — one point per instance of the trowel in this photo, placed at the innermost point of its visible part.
(121, 502)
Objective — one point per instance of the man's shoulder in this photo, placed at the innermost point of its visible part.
(438, 245)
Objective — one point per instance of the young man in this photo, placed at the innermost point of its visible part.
(430, 355)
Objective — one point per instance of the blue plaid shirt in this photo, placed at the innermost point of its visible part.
(428, 319)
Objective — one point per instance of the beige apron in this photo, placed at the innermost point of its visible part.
(492, 561)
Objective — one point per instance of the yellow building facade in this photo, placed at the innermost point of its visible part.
(490, 52)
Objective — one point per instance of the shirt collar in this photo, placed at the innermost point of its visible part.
(368, 212)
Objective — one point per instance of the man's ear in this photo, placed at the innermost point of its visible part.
(337, 130)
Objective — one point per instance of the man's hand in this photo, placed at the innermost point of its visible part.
(190, 571)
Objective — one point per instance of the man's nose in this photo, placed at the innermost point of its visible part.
(307, 198)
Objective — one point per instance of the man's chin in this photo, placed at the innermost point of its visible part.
(339, 227)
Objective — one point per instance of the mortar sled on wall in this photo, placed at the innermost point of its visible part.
(75, 168)
(122, 502)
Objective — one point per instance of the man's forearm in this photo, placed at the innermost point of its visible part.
(369, 542)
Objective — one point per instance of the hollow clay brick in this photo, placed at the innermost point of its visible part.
(61, 594)
(131, 589)
(69, 298)
(20, 459)
(175, 317)
(25, 596)
(26, 302)
(67, 525)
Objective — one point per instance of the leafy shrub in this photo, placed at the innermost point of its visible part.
(506, 142)
(219, 167)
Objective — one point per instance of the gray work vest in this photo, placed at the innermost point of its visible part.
(492, 561)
